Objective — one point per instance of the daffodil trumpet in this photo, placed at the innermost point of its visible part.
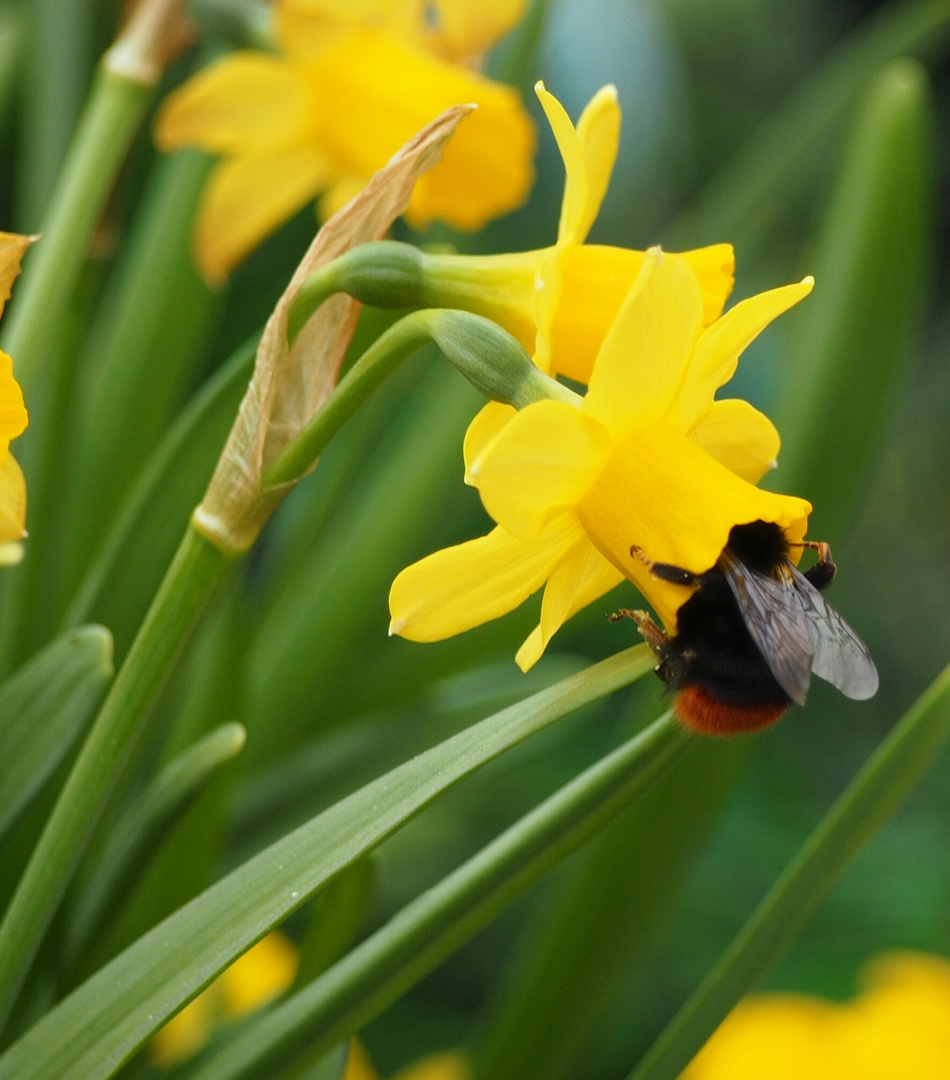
(488, 356)
(389, 274)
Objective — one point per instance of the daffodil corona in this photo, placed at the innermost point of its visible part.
(648, 459)
(350, 85)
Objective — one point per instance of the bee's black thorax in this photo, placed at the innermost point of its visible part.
(712, 648)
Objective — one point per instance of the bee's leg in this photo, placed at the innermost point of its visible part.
(823, 572)
(649, 631)
(675, 575)
(623, 613)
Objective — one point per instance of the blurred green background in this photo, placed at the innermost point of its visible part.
(736, 119)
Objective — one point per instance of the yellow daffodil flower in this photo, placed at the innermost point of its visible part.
(352, 83)
(263, 973)
(447, 1066)
(898, 1027)
(560, 301)
(458, 30)
(13, 417)
(647, 457)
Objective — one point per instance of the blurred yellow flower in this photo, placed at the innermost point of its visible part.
(13, 417)
(898, 1027)
(648, 457)
(263, 973)
(446, 1066)
(560, 301)
(353, 82)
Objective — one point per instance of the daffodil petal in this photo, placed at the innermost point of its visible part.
(546, 302)
(261, 974)
(540, 464)
(719, 347)
(575, 166)
(246, 103)
(782, 1036)
(464, 586)
(12, 248)
(900, 1024)
(466, 28)
(377, 93)
(738, 436)
(715, 266)
(662, 493)
(488, 423)
(645, 354)
(12, 501)
(594, 281)
(13, 415)
(247, 198)
(186, 1032)
(599, 133)
(580, 578)
(358, 1064)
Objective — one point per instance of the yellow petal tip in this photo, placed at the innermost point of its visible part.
(396, 627)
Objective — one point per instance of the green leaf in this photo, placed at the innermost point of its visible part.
(434, 925)
(740, 200)
(142, 828)
(139, 359)
(44, 709)
(603, 921)
(870, 274)
(890, 773)
(135, 552)
(338, 914)
(98, 1027)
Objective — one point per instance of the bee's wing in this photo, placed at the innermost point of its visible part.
(841, 657)
(777, 621)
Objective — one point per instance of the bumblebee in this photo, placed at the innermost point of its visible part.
(752, 634)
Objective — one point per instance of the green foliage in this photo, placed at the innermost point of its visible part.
(99, 1026)
(146, 859)
(45, 707)
(873, 252)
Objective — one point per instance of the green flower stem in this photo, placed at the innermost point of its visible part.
(874, 794)
(111, 118)
(489, 357)
(429, 929)
(194, 572)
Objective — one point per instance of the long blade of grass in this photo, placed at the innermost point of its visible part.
(603, 921)
(98, 1027)
(44, 708)
(140, 832)
(874, 794)
(870, 270)
(429, 929)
